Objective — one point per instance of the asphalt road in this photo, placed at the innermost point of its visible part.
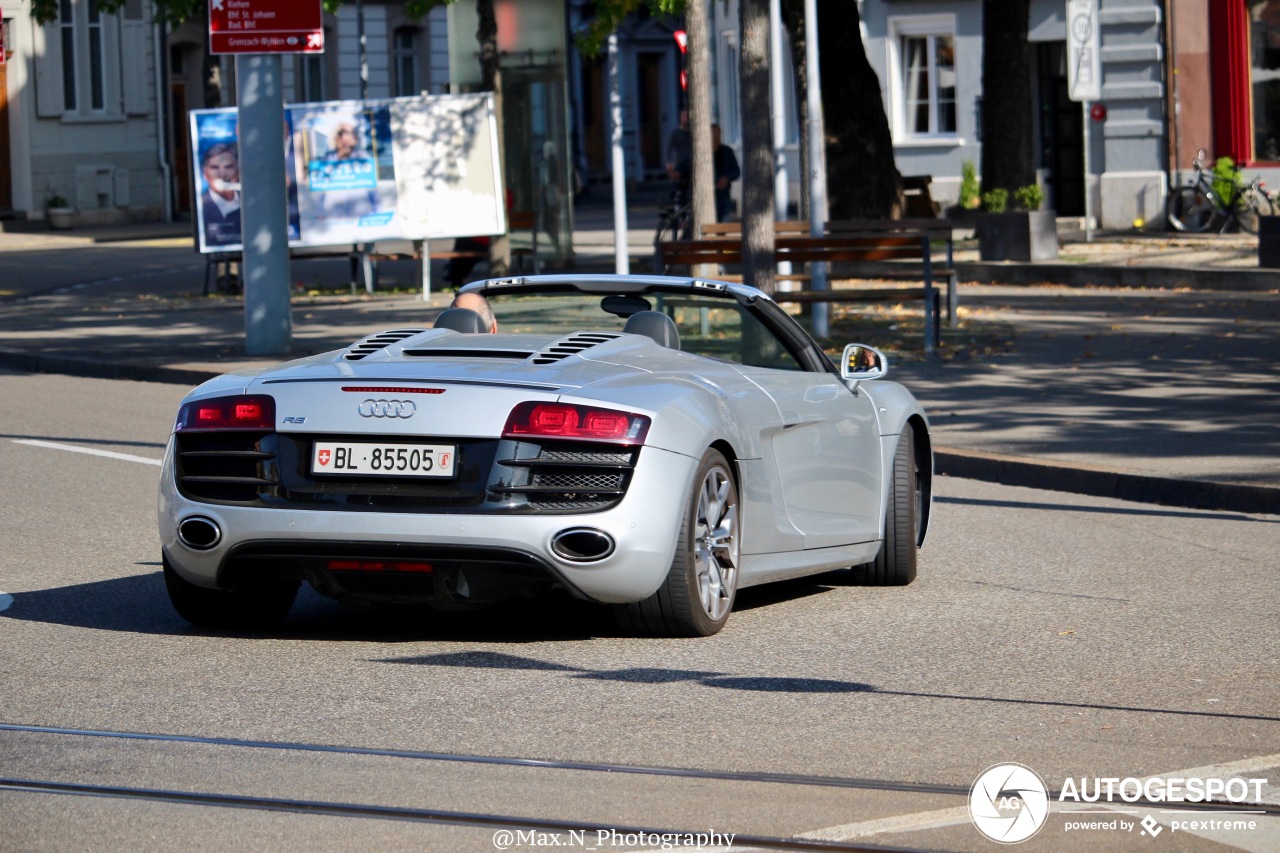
(1081, 637)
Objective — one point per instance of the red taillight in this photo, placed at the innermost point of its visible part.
(379, 566)
(564, 420)
(240, 412)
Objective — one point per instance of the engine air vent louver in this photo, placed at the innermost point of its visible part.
(445, 352)
(373, 343)
(572, 345)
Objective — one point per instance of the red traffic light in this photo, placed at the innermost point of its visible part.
(682, 39)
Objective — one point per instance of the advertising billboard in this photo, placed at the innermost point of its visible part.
(361, 171)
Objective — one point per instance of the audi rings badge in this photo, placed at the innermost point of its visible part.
(387, 409)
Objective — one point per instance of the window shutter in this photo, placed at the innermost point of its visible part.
(48, 52)
(134, 54)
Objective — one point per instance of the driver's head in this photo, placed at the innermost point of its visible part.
(477, 303)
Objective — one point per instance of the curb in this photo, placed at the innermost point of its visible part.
(1092, 480)
(1102, 482)
(93, 369)
(1077, 275)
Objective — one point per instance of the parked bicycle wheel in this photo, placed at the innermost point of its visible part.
(671, 225)
(1253, 203)
(1190, 209)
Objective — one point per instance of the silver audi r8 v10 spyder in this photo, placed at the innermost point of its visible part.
(653, 444)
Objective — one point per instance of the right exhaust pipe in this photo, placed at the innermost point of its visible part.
(582, 544)
(199, 533)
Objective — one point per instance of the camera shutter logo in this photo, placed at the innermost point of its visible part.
(1009, 803)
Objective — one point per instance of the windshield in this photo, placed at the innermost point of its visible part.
(716, 326)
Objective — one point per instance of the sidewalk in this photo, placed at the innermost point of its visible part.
(1168, 393)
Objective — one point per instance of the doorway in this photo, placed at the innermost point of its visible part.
(1061, 131)
(649, 78)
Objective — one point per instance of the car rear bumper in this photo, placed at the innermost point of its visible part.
(471, 557)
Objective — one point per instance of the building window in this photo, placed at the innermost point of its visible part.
(923, 69)
(312, 87)
(1264, 75)
(404, 47)
(84, 63)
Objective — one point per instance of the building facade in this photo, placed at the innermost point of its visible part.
(1177, 76)
(79, 117)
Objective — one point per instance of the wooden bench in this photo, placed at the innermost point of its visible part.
(938, 230)
(918, 197)
(847, 246)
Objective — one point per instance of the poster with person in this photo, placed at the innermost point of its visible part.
(217, 153)
(362, 171)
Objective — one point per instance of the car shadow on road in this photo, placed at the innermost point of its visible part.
(764, 684)
(139, 604)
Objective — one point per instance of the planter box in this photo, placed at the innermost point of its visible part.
(60, 218)
(1018, 236)
(1269, 242)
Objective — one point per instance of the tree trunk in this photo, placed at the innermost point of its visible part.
(1007, 133)
(698, 26)
(793, 20)
(757, 145)
(862, 177)
(491, 81)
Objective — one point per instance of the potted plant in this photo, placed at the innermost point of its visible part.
(970, 200)
(1026, 234)
(58, 211)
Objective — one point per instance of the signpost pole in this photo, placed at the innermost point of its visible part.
(1088, 177)
(264, 213)
(1084, 81)
(621, 245)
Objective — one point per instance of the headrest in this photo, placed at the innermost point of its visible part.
(461, 320)
(656, 325)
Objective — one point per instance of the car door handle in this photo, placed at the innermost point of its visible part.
(820, 393)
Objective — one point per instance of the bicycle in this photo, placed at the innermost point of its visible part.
(674, 219)
(1195, 206)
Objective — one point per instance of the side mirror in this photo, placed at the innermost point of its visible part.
(863, 362)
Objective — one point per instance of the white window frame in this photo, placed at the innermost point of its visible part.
(89, 79)
(919, 26)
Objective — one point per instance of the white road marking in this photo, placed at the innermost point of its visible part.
(34, 442)
(898, 823)
(1263, 838)
(5, 600)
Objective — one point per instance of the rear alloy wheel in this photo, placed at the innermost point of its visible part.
(252, 606)
(895, 565)
(697, 596)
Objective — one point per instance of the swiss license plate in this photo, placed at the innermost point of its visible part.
(386, 460)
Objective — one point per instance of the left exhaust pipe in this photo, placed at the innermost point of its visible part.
(199, 533)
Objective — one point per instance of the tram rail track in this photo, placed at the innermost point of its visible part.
(740, 776)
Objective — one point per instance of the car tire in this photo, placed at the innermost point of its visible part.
(259, 605)
(895, 564)
(697, 596)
